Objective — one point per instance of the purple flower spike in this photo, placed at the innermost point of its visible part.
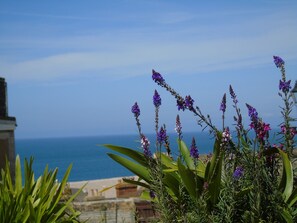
(157, 99)
(278, 61)
(178, 127)
(135, 110)
(157, 77)
(252, 113)
(161, 136)
(233, 95)
(223, 104)
(145, 144)
(284, 86)
(194, 151)
(189, 102)
(238, 173)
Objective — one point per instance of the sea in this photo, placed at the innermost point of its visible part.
(88, 155)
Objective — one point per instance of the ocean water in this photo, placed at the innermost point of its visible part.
(88, 156)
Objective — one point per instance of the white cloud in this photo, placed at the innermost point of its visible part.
(191, 48)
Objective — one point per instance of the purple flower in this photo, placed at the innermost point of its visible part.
(145, 144)
(223, 104)
(189, 102)
(233, 95)
(194, 151)
(180, 105)
(157, 99)
(292, 131)
(152, 194)
(262, 130)
(178, 127)
(238, 173)
(161, 136)
(252, 113)
(284, 86)
(157, 77)
(135, 110)
(278, 61)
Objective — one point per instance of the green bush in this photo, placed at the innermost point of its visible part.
(247, 179)
(36, 201)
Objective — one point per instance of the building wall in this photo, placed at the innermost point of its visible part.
(7, 149)
(7, 127)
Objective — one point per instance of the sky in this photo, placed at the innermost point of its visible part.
(75, 68)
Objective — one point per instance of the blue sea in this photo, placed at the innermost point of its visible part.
(88, 156)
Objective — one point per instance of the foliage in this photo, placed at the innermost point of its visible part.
(34, 200)
(247, 179)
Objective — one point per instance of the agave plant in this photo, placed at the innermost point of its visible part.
(30, 200)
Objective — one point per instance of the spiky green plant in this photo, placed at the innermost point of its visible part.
(36, 201)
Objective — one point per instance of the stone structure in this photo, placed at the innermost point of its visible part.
(111, 201)
(7, 127)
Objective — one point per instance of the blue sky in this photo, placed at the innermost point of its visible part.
(75, 68)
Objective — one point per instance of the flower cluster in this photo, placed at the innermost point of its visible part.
(189, 102)
(178, 127)
(292, 131)
(260, 127)
(135, 110)
(186, 103)
(161, 136)
(157, 77)
(262, 130)
(253, 114)
(278, 61)
(180, 104)
(233, 95)
(157, 99)
(145, 144)
(238, 173)
(284, 86)
(226, 137)
(223, 104)
(194, 150)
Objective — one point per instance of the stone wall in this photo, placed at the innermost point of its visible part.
(107, 211)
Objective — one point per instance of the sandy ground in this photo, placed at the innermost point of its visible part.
(93, 188)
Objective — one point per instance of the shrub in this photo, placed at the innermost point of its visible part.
(31, 200)
(247, 179)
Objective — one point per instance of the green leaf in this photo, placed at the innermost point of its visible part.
(286, 216)
(135, 168)
(18, 175)
(293, 198)
(136, 182)
(287, 180)
(172, 184)
(213, 172)
(135, 155)
(191, 182)
(145, 195)
(61, 210)
(60, 189)
(185, 154)
(200, 169)
(167, 161)
(243, 192)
